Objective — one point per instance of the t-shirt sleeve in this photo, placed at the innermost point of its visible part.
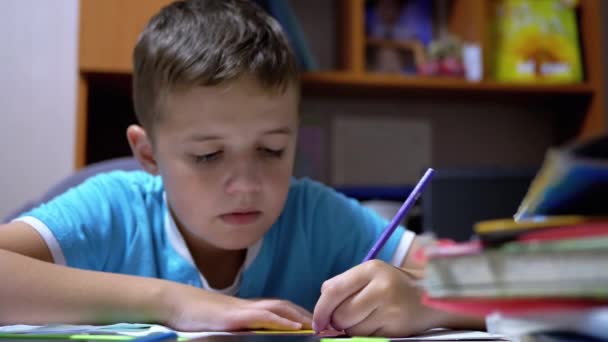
(347, 230)
(82, 226)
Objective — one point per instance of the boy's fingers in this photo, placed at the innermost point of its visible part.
(306, 315)
(366, 327)
(288, 310)
(333, 293)
(303, 311)
(263, 319)
(291, 312)
(354, 310)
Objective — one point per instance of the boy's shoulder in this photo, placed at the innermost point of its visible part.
(306, 187)
(126, 177)
(312, 193)
(134, 181)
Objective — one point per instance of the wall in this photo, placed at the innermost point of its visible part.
(38, 64)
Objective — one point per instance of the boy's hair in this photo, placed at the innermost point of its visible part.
(204, 43)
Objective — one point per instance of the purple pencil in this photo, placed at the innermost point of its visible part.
(409, 201)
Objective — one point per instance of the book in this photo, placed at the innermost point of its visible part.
(573, 180)
(397, 35)
(562, 268)
(524, 319)
(511, 306)
(558, 336)
(537, 41)
(591, 322)
(551, 289)
(494, 233)
(284, 14)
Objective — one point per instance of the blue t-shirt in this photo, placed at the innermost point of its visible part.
(118, 222)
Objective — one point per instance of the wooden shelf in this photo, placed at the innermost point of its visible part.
(332, 83)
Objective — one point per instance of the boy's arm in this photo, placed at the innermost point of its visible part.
(36, 291)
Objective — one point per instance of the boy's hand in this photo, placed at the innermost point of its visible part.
(199, 310)
(373, 298)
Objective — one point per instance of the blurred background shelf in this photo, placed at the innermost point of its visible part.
(349, 113)
(343, 82)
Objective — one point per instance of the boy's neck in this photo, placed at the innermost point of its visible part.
(218, 266)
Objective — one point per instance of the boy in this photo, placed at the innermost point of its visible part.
(215, 224)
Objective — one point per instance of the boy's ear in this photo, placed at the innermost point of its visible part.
(141, 146)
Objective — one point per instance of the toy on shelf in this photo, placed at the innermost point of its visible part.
(444, 58)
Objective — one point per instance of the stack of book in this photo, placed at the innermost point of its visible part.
(542, 277)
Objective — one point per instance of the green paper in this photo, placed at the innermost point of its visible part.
(67, 337)
(79, 337)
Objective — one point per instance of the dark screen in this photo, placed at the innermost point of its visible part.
(458, 198)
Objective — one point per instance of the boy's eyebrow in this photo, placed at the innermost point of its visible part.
(204, 137)
(281, 130)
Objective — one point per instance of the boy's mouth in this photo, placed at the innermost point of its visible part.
(241, 217)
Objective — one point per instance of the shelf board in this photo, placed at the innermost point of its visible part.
(331, 83)
(335, 83)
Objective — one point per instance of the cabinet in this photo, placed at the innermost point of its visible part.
(109, 30)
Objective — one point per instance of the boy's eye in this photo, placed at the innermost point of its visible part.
(271, 152)
(206, 158)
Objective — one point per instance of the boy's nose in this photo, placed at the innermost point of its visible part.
(245, 179)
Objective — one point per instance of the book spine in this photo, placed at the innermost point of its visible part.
(282, 11)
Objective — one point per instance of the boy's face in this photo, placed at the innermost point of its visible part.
(226, 156)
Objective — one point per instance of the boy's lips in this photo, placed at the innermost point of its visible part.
(241, 217)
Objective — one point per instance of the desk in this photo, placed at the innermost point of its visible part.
(253, 338)
(300, 338)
